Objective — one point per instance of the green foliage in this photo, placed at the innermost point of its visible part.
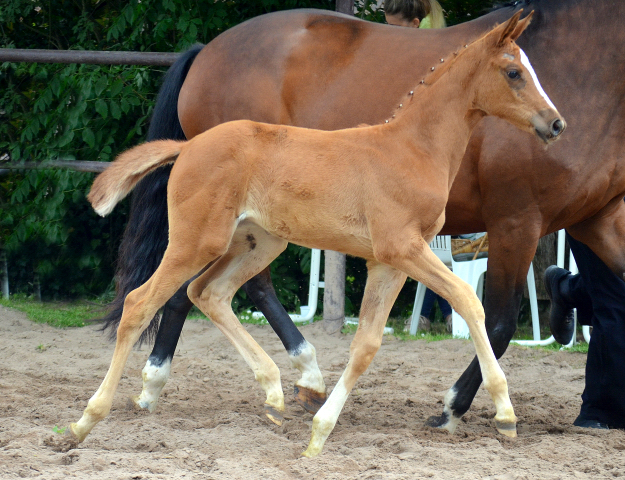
(87, 112)
(459, 11)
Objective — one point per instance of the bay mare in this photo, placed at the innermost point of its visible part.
(238, 193)
(322, 70)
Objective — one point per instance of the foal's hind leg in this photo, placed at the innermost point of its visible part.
(427, 268)
(139, 308)
(383, 286)
(250, 251)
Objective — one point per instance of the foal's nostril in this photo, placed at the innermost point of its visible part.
(556, 127)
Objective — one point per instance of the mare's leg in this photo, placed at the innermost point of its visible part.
(383, 286)
(251, 250)
(156, 371)
(511, 250)
(139, 308)
(310, 389)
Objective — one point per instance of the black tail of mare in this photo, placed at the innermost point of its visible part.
(145, 237)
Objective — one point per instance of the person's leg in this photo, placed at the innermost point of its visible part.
(428, 303)
(446, 311)
(426, 311)
(603, 400)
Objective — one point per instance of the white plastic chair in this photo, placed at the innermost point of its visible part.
(472, 272)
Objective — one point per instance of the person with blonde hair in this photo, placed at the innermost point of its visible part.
(414, 13)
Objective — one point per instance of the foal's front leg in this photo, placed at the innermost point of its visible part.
(428, 268)
(383, 286)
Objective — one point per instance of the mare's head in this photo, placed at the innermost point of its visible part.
(508, 86)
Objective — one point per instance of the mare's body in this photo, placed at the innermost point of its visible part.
(323, 70)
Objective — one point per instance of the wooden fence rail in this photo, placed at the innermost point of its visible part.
(87, 56)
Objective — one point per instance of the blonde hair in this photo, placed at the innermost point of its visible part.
(429, 12)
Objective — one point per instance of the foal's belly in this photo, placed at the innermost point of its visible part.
(315, 229)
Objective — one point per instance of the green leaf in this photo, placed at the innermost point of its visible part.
(55, 85)
(116, 87)
(66, 138)
(116, 112)
(101, 108)
(88, 137)
(101, 85)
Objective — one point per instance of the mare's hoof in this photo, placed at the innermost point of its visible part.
(444, 422)
(274, 415)
(310, 400)
(436, 421)
(507, 429)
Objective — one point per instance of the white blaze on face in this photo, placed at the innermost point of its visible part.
(526, 63)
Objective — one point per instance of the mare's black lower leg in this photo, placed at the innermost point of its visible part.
(156, 371)
(310, 389)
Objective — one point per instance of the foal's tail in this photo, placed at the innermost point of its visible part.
(118, 180)
(145, 239)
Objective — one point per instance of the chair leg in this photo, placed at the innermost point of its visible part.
(416, 311)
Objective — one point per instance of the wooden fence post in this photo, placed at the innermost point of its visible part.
(4, 274)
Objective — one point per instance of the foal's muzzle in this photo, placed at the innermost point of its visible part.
(548, 125)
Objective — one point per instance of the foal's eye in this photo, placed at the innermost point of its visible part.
(513, 75)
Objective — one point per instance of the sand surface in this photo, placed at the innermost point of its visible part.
(209, 423)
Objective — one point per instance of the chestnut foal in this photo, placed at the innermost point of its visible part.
(240, 191)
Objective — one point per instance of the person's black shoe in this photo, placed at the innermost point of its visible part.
(587, 423)
(561, 318)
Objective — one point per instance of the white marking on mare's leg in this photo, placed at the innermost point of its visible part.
(154, 379)
(526, 63)
(304, 358)
(452, 420)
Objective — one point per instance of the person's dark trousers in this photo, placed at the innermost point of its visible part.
(428, 304)
(599, 288)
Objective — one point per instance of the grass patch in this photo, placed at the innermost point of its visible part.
(56, 314)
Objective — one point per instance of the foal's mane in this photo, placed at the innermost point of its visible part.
(436, 72)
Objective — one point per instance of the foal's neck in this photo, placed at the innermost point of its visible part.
(440, 114)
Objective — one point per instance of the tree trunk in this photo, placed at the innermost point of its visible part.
(4, 275)
(546, 255)
(334, 292)
(345, 6)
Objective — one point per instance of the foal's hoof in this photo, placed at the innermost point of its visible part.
(274, 415)
(443, 422)
(507, 429)
(62, 443)
(310, 400)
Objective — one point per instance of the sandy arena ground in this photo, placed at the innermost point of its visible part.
(209, 423)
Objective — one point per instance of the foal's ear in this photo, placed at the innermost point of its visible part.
(521, 26)
(508, 29)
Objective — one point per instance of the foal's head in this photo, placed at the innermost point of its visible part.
(508, 86)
